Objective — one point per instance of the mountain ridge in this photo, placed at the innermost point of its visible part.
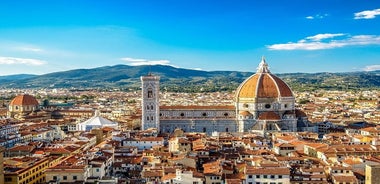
(186, 80)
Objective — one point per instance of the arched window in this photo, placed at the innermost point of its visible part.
(150, 93)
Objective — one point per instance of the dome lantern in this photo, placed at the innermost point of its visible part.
(263, 66)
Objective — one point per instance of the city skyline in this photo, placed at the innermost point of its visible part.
(41, 37)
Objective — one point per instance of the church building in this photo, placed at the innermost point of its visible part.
(21, 106)
(263, 103)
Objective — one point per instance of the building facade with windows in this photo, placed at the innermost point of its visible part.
(25, 170)
(75, 167)
(268, 175)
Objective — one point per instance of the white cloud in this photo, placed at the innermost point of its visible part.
(367, 14)
(304, 46)
(30, 49)
(371, 68)
(13, 60)
(324, 41)
(319, 37)
(317, 16)
(200, 69)
(133, 60)
(138, 62)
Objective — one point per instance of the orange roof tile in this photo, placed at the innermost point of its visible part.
(268, 170)
(24, 100)
(270, 115)
(245, 113)
(263, 85)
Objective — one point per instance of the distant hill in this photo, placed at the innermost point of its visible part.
(333, 81)
(179, 79)
(9, 78)
(16, 77)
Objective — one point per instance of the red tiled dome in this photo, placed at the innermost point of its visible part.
(263, 84)
(270, 115)
(24, 100)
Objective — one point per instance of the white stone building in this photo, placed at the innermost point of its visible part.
(277, 175)
(96, 122)
(263, 103)
(150, 103)
(144, 142)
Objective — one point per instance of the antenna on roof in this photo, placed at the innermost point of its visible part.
(150, 70)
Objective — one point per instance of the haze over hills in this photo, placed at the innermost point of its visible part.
(16, 77)
(185, 80)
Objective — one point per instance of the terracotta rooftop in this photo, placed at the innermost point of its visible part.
(268, 170)
(300, 113)
(344, 179)
(146, 174)
(270, 115)
(24, 100)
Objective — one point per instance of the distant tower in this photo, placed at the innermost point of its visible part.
(150, 102)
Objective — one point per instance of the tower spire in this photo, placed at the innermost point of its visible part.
(263, 66)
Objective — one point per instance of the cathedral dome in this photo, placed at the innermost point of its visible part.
(23, 100)
(263, 84)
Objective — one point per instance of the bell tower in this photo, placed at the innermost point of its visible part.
(150, 102)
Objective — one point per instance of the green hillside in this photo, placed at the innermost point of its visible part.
(185, 80)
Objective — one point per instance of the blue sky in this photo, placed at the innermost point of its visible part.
(44, 36)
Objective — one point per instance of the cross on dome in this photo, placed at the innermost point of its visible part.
(263, 66)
